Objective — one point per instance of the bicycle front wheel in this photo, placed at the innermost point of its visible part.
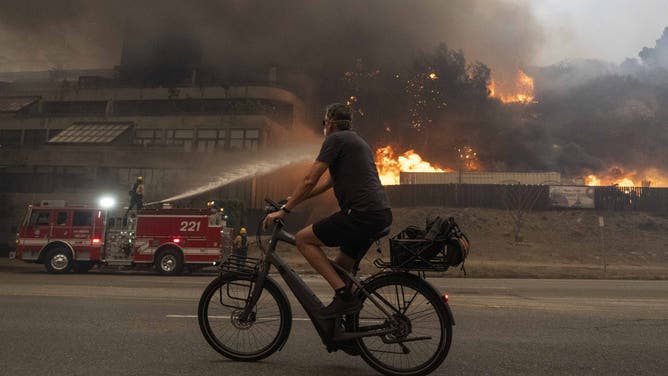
(421, 326)
(252, 338)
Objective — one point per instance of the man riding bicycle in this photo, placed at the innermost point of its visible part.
(365, 209)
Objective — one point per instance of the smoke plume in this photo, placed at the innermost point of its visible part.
(312, 36)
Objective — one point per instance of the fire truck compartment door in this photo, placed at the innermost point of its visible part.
(62, 228)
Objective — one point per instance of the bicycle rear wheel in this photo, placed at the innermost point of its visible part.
(422, 328)
(264, 332)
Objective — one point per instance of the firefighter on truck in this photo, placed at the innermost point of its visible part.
(65, 238)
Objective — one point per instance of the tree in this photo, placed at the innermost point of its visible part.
(519, 199)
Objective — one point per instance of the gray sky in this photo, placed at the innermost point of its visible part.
(602, 29)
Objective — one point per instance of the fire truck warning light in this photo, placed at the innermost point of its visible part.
(107, 202)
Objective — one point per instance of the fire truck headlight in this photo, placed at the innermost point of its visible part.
(107, 202)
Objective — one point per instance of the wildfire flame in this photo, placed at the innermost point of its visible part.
(520, 91)
(389, 167)
(592, 181)
(617, 176)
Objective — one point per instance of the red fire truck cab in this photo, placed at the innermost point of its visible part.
(65, 238)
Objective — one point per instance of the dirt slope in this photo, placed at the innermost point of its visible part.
(556, 244)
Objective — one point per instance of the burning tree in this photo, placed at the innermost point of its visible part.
(411, 101)
(439, 82)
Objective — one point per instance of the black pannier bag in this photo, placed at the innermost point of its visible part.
(440, 245)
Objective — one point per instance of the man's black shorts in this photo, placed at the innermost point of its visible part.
(351, 230)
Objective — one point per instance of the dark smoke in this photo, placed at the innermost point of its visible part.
(602, 115)
(311, 36)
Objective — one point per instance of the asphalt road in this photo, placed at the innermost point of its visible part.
(142, 324)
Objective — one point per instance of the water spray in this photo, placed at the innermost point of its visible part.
(241, 171)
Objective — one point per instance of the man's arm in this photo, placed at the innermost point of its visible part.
(307, 187)
(325, 184)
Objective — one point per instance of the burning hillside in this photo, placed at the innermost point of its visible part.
(519, 90)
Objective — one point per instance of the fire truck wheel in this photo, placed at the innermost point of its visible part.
(169, 262)
(82, 266)
(58, 260)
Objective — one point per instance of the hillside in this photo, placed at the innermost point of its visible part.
(556, 244)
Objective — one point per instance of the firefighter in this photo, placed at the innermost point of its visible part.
(241, 245)
(215, 213)
(136, 195)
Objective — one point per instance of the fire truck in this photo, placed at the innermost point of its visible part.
(65, 238)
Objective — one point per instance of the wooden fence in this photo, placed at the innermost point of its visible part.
(503, 196)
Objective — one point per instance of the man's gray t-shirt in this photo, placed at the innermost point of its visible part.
(353, 171)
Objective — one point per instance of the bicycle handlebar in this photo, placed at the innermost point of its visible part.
(271, 203)
(273, 206)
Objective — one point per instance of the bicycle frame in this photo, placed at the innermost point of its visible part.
(306, 297)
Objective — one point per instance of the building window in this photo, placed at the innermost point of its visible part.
(10, 137)
(211, 139)
(148, 137)
(180, 137)
(247, 139)
(34, 137)
(90, 132)
(74, 108)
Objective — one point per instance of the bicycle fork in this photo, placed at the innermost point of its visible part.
(255, 292)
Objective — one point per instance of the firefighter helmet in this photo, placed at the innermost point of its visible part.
(242, 231)
(140, 178)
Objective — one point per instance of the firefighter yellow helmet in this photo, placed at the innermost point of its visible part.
(140, 178)
(242, 231)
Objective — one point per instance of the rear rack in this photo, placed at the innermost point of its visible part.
(424, 265)
(415, 255)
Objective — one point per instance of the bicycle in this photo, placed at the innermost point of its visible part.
(404, 327)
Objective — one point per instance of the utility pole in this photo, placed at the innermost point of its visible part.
(601, 224)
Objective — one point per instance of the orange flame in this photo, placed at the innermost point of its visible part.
(389, 167)
(616, 176)
(592, 181)
(520, 91)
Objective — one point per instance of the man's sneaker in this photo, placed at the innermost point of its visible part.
(340, 306)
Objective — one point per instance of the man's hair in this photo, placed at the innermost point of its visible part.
(341, 115)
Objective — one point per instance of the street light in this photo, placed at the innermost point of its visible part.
(107, 202)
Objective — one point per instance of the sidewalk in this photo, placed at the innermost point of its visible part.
(7, 264)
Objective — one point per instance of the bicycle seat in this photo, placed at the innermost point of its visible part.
(384, 232)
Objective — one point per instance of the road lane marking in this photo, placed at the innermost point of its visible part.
(223, 317)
